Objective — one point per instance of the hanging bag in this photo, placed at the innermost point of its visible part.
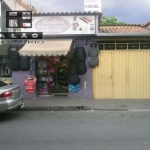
(14, 57)
(72, 66)
(74, 79)
(81, 68)
(24, 63)
(74, 88)
(79, 54)
(30, 84)
(93, 61)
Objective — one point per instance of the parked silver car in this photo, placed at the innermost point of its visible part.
(10, 97)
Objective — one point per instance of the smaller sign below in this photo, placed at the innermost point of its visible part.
(21, 35)
(17, 19)
(92, 6)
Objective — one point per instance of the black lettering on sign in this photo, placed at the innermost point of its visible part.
(5, 71)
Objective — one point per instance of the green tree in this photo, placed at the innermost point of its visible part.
(112, 20)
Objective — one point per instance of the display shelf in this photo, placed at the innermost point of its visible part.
(60, 78)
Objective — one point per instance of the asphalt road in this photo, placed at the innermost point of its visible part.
(99, 130)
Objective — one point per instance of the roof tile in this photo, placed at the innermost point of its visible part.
(124, 28)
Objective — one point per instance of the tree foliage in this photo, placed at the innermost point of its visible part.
(112, 20)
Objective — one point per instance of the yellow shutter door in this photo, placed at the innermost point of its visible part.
(139, 74)
(102, 76)
(122, 75)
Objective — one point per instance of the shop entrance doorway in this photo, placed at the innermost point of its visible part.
(52, 75)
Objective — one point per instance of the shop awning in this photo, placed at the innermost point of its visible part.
(49, 47)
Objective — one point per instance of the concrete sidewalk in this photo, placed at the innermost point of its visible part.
(67, 104)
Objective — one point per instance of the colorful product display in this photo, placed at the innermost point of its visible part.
(52, 74)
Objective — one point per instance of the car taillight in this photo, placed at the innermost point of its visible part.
(6, 94)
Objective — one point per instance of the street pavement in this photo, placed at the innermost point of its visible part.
(61, 103)
(75, 130)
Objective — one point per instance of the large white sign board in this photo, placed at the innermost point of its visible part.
(67, 25)
(92, 6)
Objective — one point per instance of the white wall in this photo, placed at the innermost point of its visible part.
(13, 5)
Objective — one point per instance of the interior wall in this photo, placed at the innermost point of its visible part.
(86, 84)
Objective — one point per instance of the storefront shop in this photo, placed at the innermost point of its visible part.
(51, 65)
(60, 64)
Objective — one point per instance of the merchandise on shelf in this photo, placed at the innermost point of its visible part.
(52, 74)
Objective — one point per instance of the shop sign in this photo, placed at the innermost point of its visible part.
(53, 25)
(22, 42)
(92, 6)
(4, 67)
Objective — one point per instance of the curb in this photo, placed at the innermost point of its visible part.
(56, 108)
(66, 108)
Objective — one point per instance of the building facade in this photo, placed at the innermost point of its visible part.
(63, 34)
(123, 72)
(123, 68)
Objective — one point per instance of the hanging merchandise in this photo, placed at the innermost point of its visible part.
(57, 59)
(51, 67)
(39, 64)
(72, 66)
(81, 68)
(79, 56)
(74, 88)
(52, 74)
(62, 58)
(45, 91)
(44, 88)
(14, 64)
(50, 79)
(39, 91)
(24, 63)
(52, 84)
(93, 61)
(45, 72)
(44, 65)
(93, 50)
(30, 84)
(40, 72)
(14, 57)
(64, 64)
(31, 65)
(93, 53)
(74, 79)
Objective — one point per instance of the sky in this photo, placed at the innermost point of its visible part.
(129, 11)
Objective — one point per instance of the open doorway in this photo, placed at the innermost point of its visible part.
(52, 75)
